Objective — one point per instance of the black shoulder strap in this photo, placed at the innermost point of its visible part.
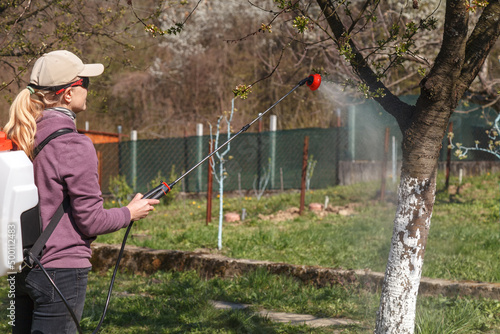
(47, 232)
(44, 237)
(53, 135)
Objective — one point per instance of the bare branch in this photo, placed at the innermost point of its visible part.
(360, 15)
(276, 15)
(480, 43)
(450, 59)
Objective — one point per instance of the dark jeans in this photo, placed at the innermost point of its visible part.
(39, 309)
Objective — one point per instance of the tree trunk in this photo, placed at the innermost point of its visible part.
(404, 267)
(422, 143)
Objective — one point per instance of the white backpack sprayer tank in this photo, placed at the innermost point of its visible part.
(18, 195)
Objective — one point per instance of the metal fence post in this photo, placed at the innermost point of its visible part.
(208, 218)
(199, 155)
(394, 160)
(120, 167)
(133, 159)
(259, 151)
(272, 144)
(384, 165)
(352, 131)
(186, 159)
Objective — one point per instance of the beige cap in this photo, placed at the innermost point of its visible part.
(61, 67)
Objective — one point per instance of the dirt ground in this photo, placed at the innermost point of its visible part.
(317, 208)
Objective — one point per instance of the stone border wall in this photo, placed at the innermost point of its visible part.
(147, 261)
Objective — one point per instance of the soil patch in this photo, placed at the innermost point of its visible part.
(316, 208)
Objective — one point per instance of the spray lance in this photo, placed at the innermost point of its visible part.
(313, 82)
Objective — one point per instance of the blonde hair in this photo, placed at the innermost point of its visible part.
(23, 114)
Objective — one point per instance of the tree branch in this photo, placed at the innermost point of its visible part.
(479, 44)
(360, 15)
(392, 104)
(439, 84)
(23, 17)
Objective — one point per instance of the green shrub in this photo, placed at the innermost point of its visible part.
(120, 189)
(172, 194)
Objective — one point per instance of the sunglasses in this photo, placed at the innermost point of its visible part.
(83, 81)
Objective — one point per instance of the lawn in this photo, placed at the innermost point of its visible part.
(463, 244)
(179, 302)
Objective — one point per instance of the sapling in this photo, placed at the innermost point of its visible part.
(493, 142)
(222, 173)
(311, 163)
(259, 190)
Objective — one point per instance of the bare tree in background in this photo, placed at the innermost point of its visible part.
(115, 33)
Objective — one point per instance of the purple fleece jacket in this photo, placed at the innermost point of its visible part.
(68, 166)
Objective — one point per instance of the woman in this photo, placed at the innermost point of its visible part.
(65, 168)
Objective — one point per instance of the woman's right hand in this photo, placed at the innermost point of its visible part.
(140, 208)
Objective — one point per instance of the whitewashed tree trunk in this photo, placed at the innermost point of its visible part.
(222, 171)
(404, 267)
(221, 204)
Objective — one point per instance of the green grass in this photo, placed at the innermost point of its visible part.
(179, 302)
(463, 244)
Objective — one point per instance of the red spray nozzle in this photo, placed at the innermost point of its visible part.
(313, 81)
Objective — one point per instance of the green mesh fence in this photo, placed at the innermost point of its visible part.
(275, 157)
(252, 159)
(367, 121)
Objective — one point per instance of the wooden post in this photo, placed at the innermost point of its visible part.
(209, 186)
(304, 172)
(281, 179)
(384, 165)
(448, 158)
